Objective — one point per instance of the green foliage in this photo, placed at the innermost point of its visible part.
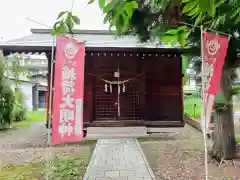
(185, 65)
(6, 97)
(119, 14)
(150, 19)
(19, 110)
(62, 168)
(65, 23)
(11, 103)
(67, 168)
(176, 36)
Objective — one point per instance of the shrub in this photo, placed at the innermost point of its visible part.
(67, 168)
(11, 104)
(6, 97)
(19, 111)
(6, 104)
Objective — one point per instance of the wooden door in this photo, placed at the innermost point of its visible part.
(114, 100)
(130, 101)
(105, 100)
(104, 96)
(130, 91)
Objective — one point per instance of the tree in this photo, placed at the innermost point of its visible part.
(11, 102)
(6, 97)
(168, 21)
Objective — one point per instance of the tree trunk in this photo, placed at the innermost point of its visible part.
(224, 143)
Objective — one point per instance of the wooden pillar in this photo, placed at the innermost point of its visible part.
(143, 91)
(48, 55)
(37, 96)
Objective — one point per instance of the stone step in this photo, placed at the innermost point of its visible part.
(114, 136)
(117, 130)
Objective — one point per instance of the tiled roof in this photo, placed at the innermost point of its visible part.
(92, 38)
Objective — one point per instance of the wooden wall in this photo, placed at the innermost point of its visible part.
(154, 94)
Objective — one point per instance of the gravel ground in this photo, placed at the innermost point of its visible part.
(28, 145)
(178, 156)
(182, 158)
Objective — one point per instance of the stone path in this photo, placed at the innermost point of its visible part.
(118, 159)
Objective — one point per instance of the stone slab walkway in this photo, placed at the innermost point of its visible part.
(118, 159)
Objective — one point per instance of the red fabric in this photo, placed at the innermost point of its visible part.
(214, 52)
(67, 125)
(217, 58)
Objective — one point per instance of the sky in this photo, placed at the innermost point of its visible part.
(13, 14)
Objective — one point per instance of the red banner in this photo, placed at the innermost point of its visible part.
(67, 122)
(214, 52)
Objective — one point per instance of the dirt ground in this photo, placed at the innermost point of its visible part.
(182, 158)
(26, 146)
(177, 156)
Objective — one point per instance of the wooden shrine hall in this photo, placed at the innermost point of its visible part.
(126, 83)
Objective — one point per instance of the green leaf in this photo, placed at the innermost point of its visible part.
(125, 20)
(237, 20)
(54, 30)
(190, 6)
(204, 5)
(185, 1)
(208, 22)
(212, 8)
(134, 4)
(107, 18)
(62, 28)
(172, 32)
(199, 19)
(128, 9)
(69, 22)
(170, 39)
(219, 3)
(223, 19)
(61, 14)
(76, 20)
(183, 36)
(193, 11)
(119, 23)
(101, 3)
(236, 12)
(109, 6)
(91, 1)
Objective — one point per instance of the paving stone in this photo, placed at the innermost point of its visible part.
(137, 178)
(117, 159)
(120, 178)
(103, 178)
(127, 173)
(112, 173)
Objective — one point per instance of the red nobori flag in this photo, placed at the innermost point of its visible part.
(67, 121)
(214, 52)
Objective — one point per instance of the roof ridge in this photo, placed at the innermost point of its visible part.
(75, 31)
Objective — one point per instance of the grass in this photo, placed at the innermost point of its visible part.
(237, 107)
(147, 139)
(238, 138)
(81, 143)
(63, 168)
(192, 107)
(35, 116)
(31, 117)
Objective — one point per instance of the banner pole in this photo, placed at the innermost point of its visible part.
(203, 119)
(50, 108)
